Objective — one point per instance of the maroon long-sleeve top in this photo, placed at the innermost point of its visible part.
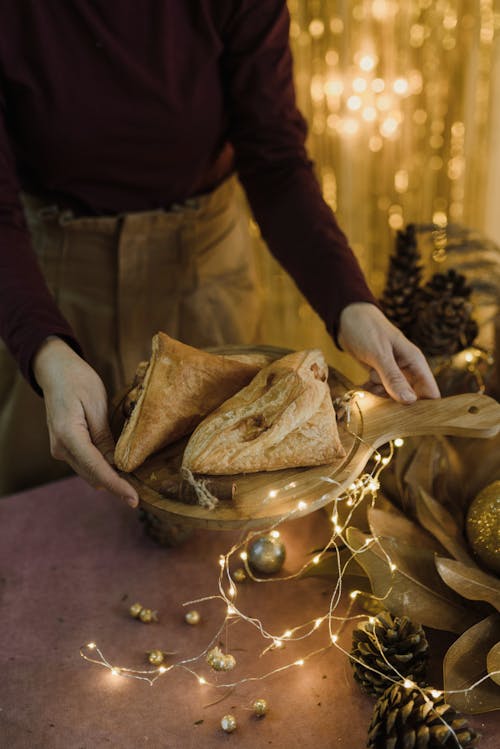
(119, 105)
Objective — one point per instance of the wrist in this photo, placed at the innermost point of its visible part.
(52, 346)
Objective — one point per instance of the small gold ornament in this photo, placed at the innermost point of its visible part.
(220, 661)
(148, 615)
(483, 526)
(192, 617)
(228, 723)
(135, 610)
(260, 707)
(156, 657)
(266, 554)
(240, 575)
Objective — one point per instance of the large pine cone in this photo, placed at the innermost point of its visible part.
(442, 323)
(391, 645)
(403, 280)
(414, 719)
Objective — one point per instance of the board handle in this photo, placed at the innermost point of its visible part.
(465, 415)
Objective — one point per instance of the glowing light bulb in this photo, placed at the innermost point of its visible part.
(91, 645)
(317, 623)
(436, 693)
(302, 505)
(272, 493)
(469, 357)
(277, 644)
(378, 457)
(299, 662)
(115, 672)
(353, 594)
(354, 103)
(400, 86)
(374, 485)
(288, 633)
(338, 529)
(243, 555)
(399, 442)
(275, 534)
(359, 85)
(232, 591)
(222, 561)
(334, 638)
(162, 669)
(231, 610)
(369, 114)
(334, 87)
(408, 684)
(385, 461)
(367, 63)
(201, 680)
(392, 566)
(316, 559)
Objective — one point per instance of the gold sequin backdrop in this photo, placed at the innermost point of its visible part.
(399, 101)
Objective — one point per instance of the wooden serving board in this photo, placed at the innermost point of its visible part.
(260, 499)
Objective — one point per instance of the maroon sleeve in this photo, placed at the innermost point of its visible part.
(28, 313)
(268, 134)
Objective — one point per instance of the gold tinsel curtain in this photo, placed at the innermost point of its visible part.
(398, 96)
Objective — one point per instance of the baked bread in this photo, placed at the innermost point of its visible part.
(171, 395)
(283, 418)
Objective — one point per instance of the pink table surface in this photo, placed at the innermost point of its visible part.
(71, 562)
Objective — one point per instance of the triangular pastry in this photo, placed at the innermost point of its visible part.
(171, 395)
(283, 418)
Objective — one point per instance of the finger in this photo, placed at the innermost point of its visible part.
(418, 372)
(101, 437)
(393, 379)
(374, 377)
(90, 464)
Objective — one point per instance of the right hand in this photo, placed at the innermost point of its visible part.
(77, 417)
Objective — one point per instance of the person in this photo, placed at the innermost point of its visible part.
(122, 128)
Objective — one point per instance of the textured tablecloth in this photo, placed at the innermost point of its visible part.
(73, 559)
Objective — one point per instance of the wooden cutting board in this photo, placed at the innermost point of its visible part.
(260, 499)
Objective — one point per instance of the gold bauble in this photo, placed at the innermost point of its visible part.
(228, 723)
(148, 615)
(240, 575)
(483, 526)
(135, 610)
(266, 554)
(192, 617)
(156, 657)
(220, 661)
(260, 707)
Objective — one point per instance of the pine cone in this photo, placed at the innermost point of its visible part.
(403, 280)
(414, 719)
(442, 323)
(391, 645)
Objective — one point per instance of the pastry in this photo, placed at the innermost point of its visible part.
(172, 393)
(283, 418)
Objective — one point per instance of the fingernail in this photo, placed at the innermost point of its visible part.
(408, 396)
(132, 501)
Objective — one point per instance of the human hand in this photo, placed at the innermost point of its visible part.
(396, 365)
(77, 417)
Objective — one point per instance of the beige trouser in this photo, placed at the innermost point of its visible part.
(188, 271)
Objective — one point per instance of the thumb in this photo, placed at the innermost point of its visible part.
(394, 381)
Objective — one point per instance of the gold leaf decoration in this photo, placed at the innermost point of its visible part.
(469, 581)
(438, 521)
(435, 467)
(396, 525)
(465, 663)
(493, 663)
(412, 587)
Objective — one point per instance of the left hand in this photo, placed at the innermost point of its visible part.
(394, 362)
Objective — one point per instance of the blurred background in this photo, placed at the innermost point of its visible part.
(404, 127)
